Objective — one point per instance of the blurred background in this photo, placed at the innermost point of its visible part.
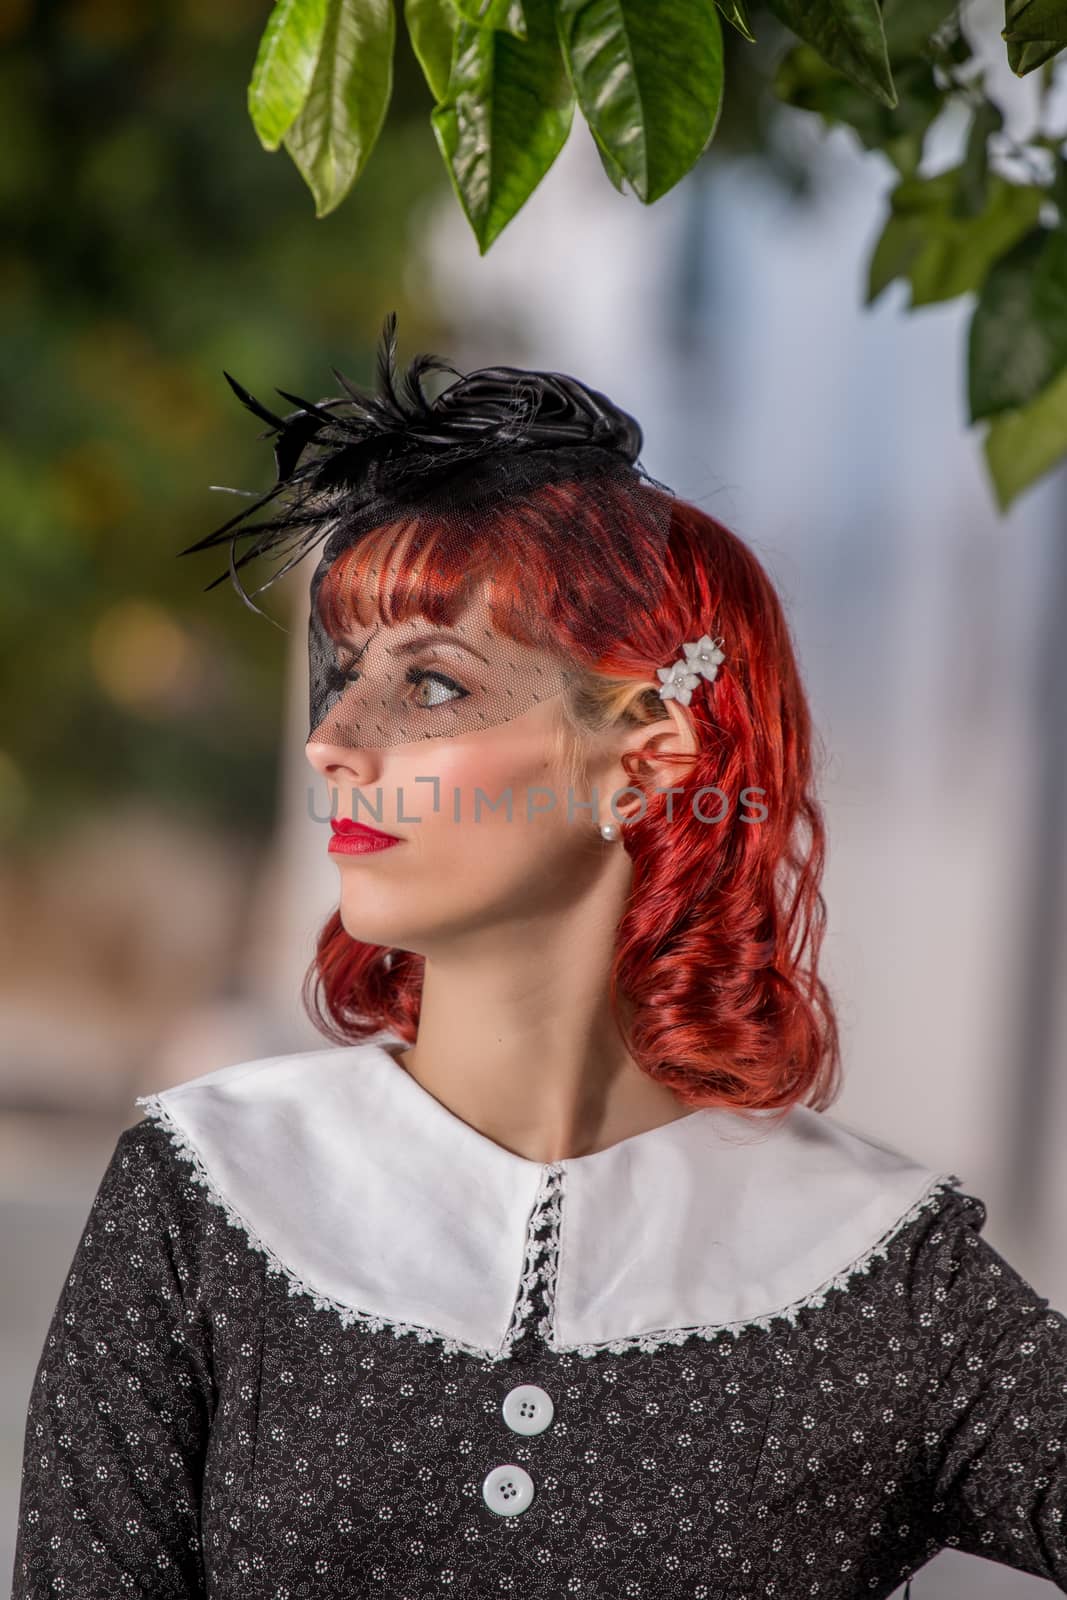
(161, 883)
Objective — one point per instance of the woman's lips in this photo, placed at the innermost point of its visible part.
(354, 839)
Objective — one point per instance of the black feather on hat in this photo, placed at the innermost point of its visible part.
(347, 464)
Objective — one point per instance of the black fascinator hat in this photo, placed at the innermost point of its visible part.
(452, 466)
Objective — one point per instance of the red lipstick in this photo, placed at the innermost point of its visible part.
(356, 839)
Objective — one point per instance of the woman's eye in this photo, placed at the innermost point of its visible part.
(431, 688)
(435, 682)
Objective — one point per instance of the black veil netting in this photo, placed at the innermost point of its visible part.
(532, 474)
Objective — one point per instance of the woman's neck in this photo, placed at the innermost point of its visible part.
(534, 1062)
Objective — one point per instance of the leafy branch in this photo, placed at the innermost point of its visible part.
(507, 75)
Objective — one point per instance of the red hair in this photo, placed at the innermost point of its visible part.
(714, 975)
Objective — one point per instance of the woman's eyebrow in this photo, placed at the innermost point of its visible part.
(411, 645)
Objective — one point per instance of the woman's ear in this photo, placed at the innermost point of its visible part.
(640, 762)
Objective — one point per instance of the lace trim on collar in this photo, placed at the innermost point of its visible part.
(536, 1295)
(349, 1317)
(841, 1281)
(536, 1298)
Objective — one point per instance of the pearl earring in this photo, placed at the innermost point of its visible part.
(610, 831)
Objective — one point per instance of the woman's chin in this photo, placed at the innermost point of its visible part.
(360, 923)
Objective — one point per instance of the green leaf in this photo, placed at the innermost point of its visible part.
(1035, 30)
(1020, 446)
(849, 35)
(736, 15)
(1018, 337)
(1036, 20)
(804, 79)
(432, 29)
(335, 133)
(942, 255)
(649, 80)
(610, 165)
(504, 118)
(501, 14)
(285, 63)
(969, 199)
(1024, 58)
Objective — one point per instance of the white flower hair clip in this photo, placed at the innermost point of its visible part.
(701, 660)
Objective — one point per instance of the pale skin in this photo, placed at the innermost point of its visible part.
(516, 921)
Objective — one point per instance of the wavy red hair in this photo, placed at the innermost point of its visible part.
(714, 975)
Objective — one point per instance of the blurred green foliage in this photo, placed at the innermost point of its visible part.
(147, 244)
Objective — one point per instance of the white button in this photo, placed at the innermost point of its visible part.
(507, 1490)
(528, 1409)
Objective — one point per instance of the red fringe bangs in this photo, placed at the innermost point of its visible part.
(543, 560)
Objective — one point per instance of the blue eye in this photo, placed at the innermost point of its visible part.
(418, 676)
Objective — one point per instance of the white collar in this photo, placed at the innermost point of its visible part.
(373, 1198)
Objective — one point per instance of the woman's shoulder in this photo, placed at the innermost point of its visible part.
(266, 1075)
(233, 1101)
(162, 1175)
(151, 1231)
(256, 1124)
(971, 1293)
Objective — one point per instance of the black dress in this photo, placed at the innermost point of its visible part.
(321, 1338)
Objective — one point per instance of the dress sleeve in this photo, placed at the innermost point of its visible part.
(997, 1403)
(123, 1395)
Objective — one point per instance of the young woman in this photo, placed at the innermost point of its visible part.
(550, 1275)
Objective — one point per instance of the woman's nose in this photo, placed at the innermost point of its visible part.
(341, 762)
